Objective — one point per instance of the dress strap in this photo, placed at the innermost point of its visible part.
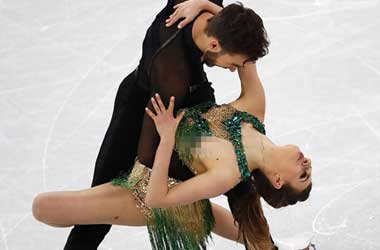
(233, 125)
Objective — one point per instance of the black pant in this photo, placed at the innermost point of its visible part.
(119, 149)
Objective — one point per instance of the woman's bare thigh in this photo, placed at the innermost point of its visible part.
(108, 204)
(103, 204)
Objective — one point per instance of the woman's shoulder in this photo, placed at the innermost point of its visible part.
(251, 110)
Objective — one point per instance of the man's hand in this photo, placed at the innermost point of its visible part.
(164, 120)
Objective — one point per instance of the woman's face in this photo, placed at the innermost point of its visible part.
(294, 168)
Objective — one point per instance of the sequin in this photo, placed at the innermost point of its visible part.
(190, 131)
(137, 180)
(186, 227)
(210, 119)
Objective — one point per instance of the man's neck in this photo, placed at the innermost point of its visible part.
(198, 32)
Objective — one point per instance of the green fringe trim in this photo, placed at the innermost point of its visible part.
(186, 227)
(183, 227)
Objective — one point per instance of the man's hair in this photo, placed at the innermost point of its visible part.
(239, 30)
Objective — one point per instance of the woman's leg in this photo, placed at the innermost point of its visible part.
(102, 204)
(108, 204)
(224, 223)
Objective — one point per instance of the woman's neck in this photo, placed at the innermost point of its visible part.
(259, 149)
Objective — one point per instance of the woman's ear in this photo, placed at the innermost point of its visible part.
(277, 181)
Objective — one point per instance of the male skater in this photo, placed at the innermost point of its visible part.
(171, 64)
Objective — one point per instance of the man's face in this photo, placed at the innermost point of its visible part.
(224, 60)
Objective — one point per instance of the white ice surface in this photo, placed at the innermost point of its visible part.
(62, 61)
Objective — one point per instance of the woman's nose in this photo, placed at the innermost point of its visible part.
(307, 162)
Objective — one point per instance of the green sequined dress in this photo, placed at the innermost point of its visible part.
(188, 227)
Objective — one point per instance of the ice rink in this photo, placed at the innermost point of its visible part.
(62, 61)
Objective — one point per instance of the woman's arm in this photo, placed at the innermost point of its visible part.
(166, 125)
(203, 186)
(209, 184)
(252, 97)
(189, 10)
(252, 91)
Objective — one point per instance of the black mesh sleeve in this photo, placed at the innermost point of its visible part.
(169, 76)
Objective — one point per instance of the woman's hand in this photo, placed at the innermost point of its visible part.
(187, 10)
(164, 120)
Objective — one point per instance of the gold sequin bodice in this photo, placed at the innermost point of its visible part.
(210, 119)
(215, 116)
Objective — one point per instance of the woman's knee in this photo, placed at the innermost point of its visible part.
(43, 209)
(39, 206)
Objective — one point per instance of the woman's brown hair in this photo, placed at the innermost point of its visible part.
(248, 212)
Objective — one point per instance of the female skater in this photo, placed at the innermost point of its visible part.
(222, 145)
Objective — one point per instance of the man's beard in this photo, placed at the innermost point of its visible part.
(209, 58)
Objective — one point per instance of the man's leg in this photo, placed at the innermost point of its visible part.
(117, 152)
